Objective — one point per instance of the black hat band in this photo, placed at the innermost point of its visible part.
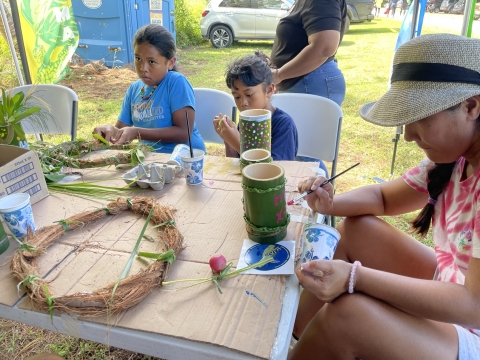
(434, 72)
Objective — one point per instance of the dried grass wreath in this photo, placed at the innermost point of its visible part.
(67, 154)
(130, 291)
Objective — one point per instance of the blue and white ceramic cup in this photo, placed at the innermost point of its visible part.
(319, 242)
(175, 158)
(193, 166)
(17, 213)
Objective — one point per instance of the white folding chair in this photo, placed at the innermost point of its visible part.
(208, 104)
(63, 103)
(319, 122)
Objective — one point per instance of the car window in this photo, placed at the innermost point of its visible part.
(270, 4)
(236, 3)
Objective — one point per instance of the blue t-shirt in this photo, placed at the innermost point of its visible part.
(284, 136)
(172, 94)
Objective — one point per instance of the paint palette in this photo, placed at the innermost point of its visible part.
(154, 175)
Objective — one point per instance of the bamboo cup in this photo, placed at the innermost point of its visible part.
(264, 202)
(255, 130)
(254, 156)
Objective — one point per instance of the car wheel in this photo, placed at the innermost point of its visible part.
(221, 36)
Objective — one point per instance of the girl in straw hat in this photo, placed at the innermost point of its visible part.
(385, 295)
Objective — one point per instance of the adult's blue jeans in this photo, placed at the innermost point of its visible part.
(327, 81)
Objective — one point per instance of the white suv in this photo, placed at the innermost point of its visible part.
(226, 20)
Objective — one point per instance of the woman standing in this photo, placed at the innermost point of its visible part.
(303, 54)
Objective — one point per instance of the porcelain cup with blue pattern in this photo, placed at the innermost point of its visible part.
(319, 242)
(17, 212)
(193, 166)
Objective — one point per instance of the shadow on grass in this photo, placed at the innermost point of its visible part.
(371, 31)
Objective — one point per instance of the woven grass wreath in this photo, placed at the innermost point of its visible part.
(127, 293)
(67, 154)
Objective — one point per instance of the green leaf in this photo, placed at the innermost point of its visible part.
(54, 177)
(101, 138)
(132, 255)
(19, 117)
(49, 301)
(168, 256)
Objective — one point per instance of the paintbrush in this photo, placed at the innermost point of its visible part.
(301, 196)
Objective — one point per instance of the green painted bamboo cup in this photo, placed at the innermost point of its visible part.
(4, 243)
(254, 156)
(255, 130)
(264, 202)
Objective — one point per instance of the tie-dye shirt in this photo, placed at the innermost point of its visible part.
(456, 222)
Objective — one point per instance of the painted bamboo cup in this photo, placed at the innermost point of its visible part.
(319, 242)
(264, 202)
(254, 156)
(255, 130)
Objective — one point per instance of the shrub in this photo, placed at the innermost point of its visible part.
(187, 21)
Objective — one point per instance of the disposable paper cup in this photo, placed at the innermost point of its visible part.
(319, 242)
(193, 167)
(175, 158)
(17, 213)
(254, 156)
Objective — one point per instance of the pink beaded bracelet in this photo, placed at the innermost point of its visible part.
(351, 283)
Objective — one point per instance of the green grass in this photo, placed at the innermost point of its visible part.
(364, 57)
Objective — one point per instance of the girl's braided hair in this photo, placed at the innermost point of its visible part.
(437, 179)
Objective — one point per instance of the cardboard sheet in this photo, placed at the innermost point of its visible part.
(210, 217)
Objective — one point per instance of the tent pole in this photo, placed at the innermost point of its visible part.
(468, 18)
(10, 44)
(20, 42)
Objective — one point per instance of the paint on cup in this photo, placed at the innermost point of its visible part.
(255, 129)
(17, 212)
(175, 158)
(193, 166)
(319, 242)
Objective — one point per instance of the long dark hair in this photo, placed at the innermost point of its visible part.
(251, 70)
(437, 179)
(156, 35)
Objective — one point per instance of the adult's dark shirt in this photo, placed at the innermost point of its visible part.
(306, 17)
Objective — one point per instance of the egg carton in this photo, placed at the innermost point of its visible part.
(154, 175)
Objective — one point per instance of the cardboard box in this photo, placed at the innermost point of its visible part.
(20, 171)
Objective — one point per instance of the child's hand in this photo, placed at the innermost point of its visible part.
(321, 199)
(125, 135)
(326, 279)
(106, 131)
(227, 130)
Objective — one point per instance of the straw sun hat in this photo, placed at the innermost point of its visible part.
(430, 73)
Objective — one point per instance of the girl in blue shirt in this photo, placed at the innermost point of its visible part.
(155, 107)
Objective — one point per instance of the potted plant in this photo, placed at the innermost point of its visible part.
(16, 108)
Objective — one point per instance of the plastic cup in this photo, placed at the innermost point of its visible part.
(319, 242)
(17, 212)
(175, 158)
(193, 167)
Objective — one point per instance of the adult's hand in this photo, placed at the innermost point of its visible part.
(106, 131)
(321, 199)
(326, 279)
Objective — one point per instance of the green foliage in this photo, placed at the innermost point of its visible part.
(187, 21)
(8, 76)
